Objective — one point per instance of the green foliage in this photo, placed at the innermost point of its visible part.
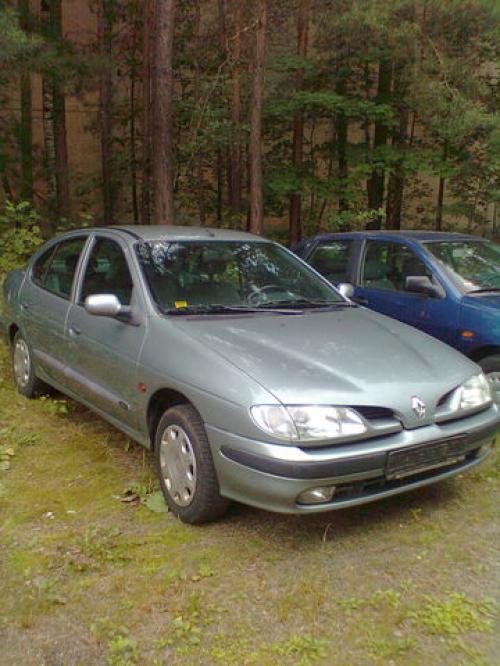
(455, 615)
(19, 234)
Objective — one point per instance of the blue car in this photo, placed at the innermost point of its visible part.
(445, 284)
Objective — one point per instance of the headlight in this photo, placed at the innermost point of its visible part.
(475, 392)
(303, 422)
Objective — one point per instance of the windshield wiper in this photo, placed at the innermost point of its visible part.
(224, 309)
(307, 303)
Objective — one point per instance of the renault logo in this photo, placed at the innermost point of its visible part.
(418, 407)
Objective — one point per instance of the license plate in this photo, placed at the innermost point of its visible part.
(423, 457)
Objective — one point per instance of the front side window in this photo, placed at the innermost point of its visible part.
(107, 272)
(387, 265)
(473, 265)
(232, 273)
(55, 270)
(331, 259)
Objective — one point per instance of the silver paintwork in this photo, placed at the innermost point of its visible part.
(103, 305)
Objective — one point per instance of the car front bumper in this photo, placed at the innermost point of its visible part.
(272, 476)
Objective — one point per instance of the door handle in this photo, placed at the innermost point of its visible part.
(74, 331)
(360, 300)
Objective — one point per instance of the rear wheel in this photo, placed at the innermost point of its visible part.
(491, 368)
(27, 382)
(185, 467)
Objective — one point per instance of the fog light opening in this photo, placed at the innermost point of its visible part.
(318, 495)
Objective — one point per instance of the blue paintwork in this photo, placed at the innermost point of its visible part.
(445, 318)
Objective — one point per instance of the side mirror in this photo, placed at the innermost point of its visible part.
(346, 289)
(421, 284)
(104, 305)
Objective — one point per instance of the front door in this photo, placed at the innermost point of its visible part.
(382, 287)
(103, 351)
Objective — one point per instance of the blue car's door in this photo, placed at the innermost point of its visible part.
(381, 283)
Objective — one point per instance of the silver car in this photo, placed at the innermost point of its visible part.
(249, 376)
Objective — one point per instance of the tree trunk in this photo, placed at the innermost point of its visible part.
(255, 147)
(440, 198)
(396, 182)
(163, 91)
(298, 121)
(148, 39)
(25, 130)
(132, 113)
(235, 156)
(105, 39)
(376, 181)
(341, 129)
(199, 184)
(54, 119)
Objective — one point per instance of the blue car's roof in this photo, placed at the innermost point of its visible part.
(394, 235)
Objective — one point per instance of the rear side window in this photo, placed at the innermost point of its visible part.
(55, 270)
(332, 259)
(41, 266)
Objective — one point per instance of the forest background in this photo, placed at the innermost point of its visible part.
(283, 117)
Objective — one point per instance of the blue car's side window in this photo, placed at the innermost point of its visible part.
(387, 265)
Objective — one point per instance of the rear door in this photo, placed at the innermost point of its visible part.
(45, 302)
(333, 259)
(385, 265)
(103, 351)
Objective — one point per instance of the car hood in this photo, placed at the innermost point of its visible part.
(345, 356)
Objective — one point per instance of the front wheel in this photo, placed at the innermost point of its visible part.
(185, 467)
(491, 368)
(27, 382)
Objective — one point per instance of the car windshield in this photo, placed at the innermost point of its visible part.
(474, 265)
(222, 275)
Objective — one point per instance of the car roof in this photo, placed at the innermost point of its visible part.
(415, 235)
(157, 232)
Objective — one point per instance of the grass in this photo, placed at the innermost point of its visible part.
(88, 578)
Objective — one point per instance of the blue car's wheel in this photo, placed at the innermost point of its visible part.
(185, 466)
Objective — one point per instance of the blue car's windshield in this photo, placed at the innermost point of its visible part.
(474, 265)
(192, 275)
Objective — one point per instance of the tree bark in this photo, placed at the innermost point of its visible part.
(295, 222)
(25, 130)
(54, 117)
(341, 129)
(132, 112)
(199, 180)
(441, 187)
(255, 147)
(163, 91)
(235, 157)
(376, 182)
(148, 38)
(105, 40)
(396, 181)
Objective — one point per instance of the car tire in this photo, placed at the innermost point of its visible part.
(27, 383)
(491, 368)
(185, 467)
